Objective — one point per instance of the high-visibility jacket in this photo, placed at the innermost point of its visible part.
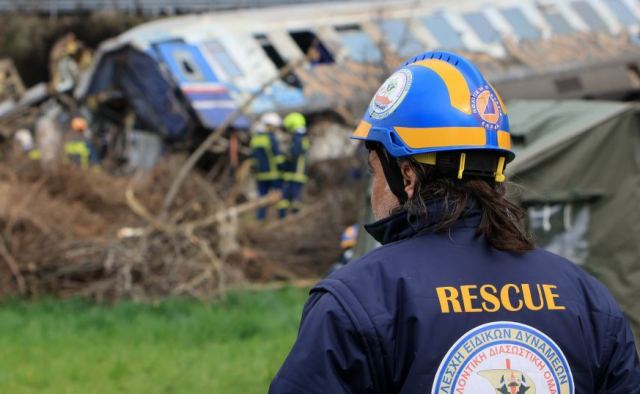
(78, 152)
(34, 154)
(446, 313)
(267, 159)
(296, 165)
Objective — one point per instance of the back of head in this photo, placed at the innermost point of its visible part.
(439, 115)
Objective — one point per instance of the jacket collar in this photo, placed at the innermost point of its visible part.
(401, 225)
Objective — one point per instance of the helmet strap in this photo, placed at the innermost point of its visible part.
(391, 169)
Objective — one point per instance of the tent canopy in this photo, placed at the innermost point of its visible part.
(578, 171)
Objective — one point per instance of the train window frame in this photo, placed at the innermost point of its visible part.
(558, 23)
(325, 55)
(223, 59)
(478, 25)
(188, 66)
(434, 22)
(349, 35)
(407, 44)
(521, 25)
(622, 13)
(278, 61)
(585, 11)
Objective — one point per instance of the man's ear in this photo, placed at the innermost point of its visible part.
(409, 178)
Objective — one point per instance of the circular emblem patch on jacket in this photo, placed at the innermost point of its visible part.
(390, 94)
(504, 358)
(486, 106)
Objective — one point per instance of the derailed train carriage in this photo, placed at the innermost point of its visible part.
(182, 76)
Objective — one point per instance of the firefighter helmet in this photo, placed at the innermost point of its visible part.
(271, 120)
(294, 122)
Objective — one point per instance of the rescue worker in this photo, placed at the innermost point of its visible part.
(294, 175)
(77, 147)
(348, 242)
(267, 159)
(457, 299)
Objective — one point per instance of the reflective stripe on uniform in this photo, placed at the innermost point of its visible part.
(263, 141)
(260, 141)
(299, 174)
(35, 154)
(295, 177)
(79, 149)
(267, 176)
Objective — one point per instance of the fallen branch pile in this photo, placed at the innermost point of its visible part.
(83, 233)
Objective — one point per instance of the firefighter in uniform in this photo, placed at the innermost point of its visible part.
(267, 159)
(77, 148)
(457, 300)
(294, 175)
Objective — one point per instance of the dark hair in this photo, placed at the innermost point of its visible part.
(502, 222)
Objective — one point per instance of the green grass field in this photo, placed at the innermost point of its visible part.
(178, 346)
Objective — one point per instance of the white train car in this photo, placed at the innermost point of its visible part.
(194, 70)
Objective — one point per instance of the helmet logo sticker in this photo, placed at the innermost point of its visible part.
(504, 357)
(486, 106)
(390, 94)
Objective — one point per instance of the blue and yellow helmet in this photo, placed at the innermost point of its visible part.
(439, 102)
(349, 237)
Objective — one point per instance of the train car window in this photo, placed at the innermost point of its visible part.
(559, 25)
(312, 47)
(589, 16)
(482, 27)
(521, 25)
(622, 12)
(223, 58)
(272, 53)
(188, 66)
(447, 36)
(396, 32)
(359, 44)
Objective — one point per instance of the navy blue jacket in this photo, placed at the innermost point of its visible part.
(266, 155)
(296, 164)
(447, 313)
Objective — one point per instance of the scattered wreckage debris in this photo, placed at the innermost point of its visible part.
(11, 85)
(176, 231)
(170, 231)
(72, 233)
